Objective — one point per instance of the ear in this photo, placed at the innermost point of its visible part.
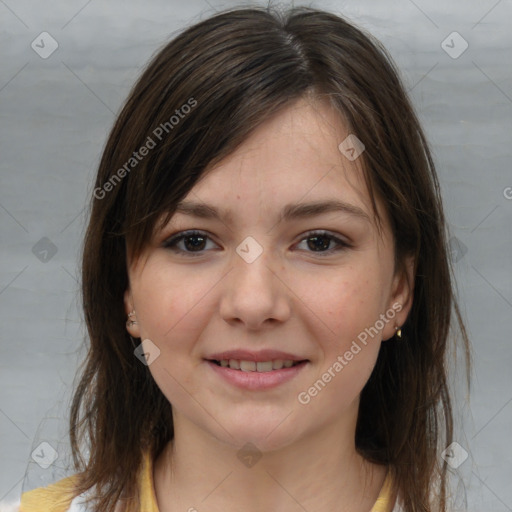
(401, 297)
(133, 329)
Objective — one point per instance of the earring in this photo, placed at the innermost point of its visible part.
(131, 322)
(398, 332)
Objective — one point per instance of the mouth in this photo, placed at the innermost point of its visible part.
(258, 373)
(256, 370)
(256, 366)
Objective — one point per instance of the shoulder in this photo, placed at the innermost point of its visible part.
(58, 497)
(62, 495)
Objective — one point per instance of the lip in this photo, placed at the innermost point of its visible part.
(255, 381)
(259, 356)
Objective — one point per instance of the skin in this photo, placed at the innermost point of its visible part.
(291, 298)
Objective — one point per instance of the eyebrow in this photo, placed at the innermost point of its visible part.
(289, 212)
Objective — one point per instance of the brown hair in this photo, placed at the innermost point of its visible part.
(234, 70)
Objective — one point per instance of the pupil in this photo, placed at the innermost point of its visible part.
(195, 245)
(325, 245)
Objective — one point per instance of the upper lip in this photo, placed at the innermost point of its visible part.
(259, 356)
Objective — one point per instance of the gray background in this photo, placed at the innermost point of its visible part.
(56, 113)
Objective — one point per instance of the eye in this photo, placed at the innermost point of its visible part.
(194, 242)
(321, 240)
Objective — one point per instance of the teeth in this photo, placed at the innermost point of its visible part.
(260, 366)
(247, 366)
(264, 366)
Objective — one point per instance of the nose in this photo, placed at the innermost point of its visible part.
(255, 294)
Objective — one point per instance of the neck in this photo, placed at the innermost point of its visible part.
(321, 472)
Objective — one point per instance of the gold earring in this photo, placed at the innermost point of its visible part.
(398, 332)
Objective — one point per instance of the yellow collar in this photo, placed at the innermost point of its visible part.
(57, 497)
(149, 503)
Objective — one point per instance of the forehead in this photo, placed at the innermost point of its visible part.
(293, 157)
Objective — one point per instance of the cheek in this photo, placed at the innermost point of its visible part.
(173, 308)
(349, 348)
(350, 307)
(169, 302)
(340, 382)
(349, 303)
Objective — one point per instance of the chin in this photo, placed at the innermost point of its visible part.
(266, 436)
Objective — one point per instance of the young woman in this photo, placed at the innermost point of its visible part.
(266, 284)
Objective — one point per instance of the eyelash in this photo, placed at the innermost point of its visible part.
(171, 242)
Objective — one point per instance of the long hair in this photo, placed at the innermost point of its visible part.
(198, 99)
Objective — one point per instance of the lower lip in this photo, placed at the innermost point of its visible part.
(257, 380)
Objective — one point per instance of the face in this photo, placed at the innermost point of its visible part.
(255, 285)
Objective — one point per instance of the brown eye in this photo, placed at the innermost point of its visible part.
(320, 242)
(193, 242)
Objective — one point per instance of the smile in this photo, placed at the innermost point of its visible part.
(256, 375)
(256, 366)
